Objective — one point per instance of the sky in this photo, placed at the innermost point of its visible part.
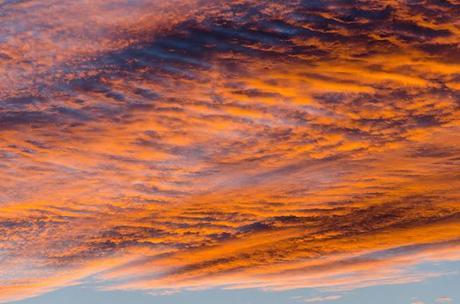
(246, 151)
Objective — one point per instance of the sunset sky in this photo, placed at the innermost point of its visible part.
(245, 151)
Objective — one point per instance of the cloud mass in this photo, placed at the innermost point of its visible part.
(180, 145)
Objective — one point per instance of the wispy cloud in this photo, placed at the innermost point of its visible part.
(444, 300)
(321, 299)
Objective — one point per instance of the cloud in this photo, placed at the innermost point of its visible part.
(322, 299)
(444, 300)
(268, 144)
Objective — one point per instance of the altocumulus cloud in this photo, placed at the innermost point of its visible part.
(172, 145)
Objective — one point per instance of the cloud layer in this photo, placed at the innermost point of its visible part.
(194, 144)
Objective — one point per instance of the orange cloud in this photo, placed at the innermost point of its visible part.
(305, 145)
